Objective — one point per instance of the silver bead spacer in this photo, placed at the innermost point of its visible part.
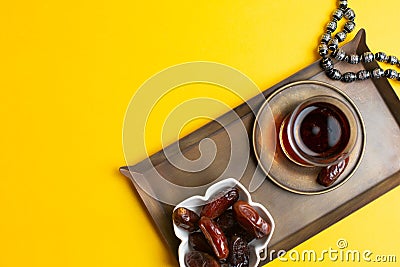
(339, 54)
(354, 59)
(349, 26)
(341, 36)
(349, 14)
(338, 14)
(325, 38)
(363, 75)
(377, 73)
(368, 57)
(332, 26)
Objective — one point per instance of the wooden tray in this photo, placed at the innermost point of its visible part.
(297, 217)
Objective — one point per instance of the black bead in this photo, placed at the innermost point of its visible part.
(349, 26)
(353, 59)
(341, 36)
(326, 64)
(333, 44)
(367, 57)
(377, 73)
(349, 77)
(334, 74)
(392, 60)
(323, 50)
(363, 75)
(349, 14)
(331, 26)
(391, 74)
(338, 14)
(343, 4)
(339, 54)
(381, 57)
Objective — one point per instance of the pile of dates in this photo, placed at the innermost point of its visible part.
(220, 234)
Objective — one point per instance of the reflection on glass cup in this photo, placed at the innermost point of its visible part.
(321, 131)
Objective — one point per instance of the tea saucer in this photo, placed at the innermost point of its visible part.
(271, 158)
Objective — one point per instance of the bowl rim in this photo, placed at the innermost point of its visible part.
(260, 249)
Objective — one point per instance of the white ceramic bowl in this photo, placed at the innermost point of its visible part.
(257, 247)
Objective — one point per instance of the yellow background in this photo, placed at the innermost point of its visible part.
(68, 71)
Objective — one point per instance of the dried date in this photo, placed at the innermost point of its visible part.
(239, 231)
(215, 237)
(198, 242)
(186, 219)
(227, 221)
(250, 220)
(200, 259)
(228, 224)
(328, 175)
(239, 253)
(220, 203)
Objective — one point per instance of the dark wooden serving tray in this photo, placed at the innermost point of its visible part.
(298, 217)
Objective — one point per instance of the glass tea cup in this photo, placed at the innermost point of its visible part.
(321, 131)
